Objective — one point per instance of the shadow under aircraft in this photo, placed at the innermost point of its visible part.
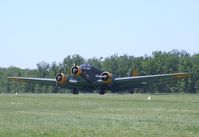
(87, 77)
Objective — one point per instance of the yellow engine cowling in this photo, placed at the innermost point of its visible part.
(61, 79)
(76, 70)
(106, 77)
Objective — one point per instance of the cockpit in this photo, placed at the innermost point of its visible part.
(85, 66)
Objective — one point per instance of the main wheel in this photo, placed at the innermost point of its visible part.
(102, 91)
(75, 91)
(131, 91)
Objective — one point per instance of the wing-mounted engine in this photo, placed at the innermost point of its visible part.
(106, 77)
(76, 70)
(61, 79)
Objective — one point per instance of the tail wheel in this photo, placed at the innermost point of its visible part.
(75, 91)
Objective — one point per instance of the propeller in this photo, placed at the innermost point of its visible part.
(59, 75)
(104, 77)
(61, 78)
(75, 70)
(74, 64)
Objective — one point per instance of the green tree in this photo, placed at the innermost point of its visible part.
(43, 69)
(158, 63)
(95, 62)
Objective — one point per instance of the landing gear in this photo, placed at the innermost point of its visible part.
(131, 91)
(75, 91)
(102, 91)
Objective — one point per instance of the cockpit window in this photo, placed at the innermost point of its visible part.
(85, 66)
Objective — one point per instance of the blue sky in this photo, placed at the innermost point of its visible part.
(47, 30)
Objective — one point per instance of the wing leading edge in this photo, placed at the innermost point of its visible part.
(46, 81)
(130, 82)
(70, 83)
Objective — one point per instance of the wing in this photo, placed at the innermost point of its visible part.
(133, 82)
(116, 84)
(43, 81)
(71, 83)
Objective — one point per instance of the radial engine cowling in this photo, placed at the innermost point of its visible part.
(61, 79)
(76, 70)
(107, 77)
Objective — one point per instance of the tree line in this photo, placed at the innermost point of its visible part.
(158, 63)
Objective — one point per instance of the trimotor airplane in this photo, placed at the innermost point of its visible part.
(87, 77)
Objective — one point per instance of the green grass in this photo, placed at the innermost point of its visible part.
(93, 115)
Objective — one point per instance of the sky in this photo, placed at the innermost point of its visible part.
(32, 31)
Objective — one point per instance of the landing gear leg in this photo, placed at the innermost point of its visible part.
(75, 91)
(131, 91)
(102, 91)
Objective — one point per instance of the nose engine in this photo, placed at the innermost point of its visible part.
(76, 70)
(61, 79)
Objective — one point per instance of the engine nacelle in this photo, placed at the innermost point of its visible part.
(76, 70)
(61, 79)
(107, 77)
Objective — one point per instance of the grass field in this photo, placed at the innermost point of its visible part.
(50, 115)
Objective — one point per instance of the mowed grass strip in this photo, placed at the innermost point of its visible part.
(92, 115)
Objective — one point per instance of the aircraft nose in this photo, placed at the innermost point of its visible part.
(75, 71)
